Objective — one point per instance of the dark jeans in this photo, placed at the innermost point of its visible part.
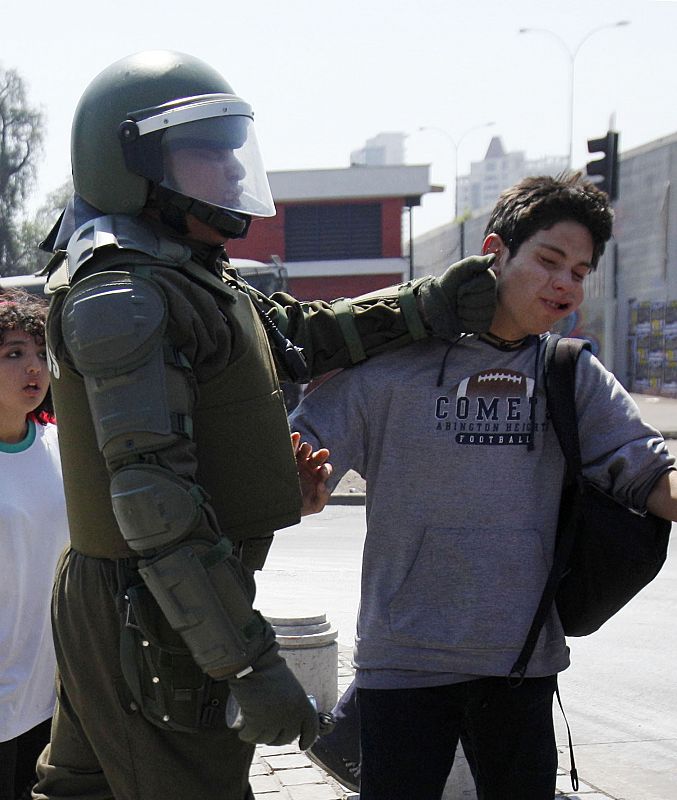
(17, 760)
(409, 738)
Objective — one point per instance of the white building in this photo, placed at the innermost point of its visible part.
(385, 149)
(498, 171)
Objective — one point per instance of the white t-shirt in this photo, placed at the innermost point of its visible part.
(33, 532)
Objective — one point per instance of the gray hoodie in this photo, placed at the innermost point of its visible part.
(461, 515)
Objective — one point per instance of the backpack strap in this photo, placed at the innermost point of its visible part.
(573, 772)
(561, 355)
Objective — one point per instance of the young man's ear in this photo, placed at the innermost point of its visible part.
(494, 244)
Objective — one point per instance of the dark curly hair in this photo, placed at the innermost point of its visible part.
(28, 313)
(539, 202)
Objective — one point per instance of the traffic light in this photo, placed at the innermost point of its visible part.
(607, 166)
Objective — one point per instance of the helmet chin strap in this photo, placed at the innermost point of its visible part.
(175, 207)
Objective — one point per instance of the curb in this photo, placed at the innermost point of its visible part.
(347, 499)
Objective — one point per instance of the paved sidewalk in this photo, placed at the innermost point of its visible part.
(661, 412)
(286, 773)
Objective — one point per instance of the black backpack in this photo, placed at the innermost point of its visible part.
(605, 553)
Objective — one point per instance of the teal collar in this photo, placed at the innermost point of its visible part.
(24, 444)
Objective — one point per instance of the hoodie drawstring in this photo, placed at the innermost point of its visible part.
(440, 377)
(534, 397)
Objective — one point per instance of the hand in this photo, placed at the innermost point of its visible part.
(314, 472)
(274, 705)
(462, 299)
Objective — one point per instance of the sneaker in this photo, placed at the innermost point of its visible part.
(345, 771)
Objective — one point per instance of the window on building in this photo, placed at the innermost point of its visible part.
(332, 231)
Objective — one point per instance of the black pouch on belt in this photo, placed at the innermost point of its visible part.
(168, 687)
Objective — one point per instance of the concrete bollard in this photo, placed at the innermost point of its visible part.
(308, 645)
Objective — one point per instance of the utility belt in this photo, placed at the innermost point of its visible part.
(251, 552)
(164, 682)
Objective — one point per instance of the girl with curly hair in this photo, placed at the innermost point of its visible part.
(33, 531)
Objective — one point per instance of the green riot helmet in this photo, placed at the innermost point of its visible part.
(165, 127)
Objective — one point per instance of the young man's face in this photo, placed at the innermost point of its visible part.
(543, 282)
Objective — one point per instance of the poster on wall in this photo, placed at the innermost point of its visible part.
(658, 311)
(652, 347)
(670, 368)
(640, 378)
(642, 317)
(587, 322)
(670, 379)
(657, 360)
(671, 318)
(641, 328)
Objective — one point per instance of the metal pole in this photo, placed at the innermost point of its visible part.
(571, 55)
(456, 143)
(411, 243)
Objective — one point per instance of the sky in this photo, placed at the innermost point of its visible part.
(325, 76)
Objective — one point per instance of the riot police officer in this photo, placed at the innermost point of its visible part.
(176, 450)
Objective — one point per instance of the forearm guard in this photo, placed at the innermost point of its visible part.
(202, 593)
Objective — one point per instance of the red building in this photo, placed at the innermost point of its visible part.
(338, 231)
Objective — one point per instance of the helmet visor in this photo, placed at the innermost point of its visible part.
(209, 152)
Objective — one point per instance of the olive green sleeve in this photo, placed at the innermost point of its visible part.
(346, 331)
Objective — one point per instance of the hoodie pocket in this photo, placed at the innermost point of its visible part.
(470, 588)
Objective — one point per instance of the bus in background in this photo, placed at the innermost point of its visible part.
(267, 278)
(35, 284)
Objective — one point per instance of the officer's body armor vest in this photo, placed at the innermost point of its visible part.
(245, 461)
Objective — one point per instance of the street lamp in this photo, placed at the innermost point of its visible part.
(456, 145)
(571, 54)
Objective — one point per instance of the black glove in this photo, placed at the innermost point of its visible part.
(462, 299)
(274, 705)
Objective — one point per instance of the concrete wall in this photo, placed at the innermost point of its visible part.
(646, 233)
(435, 250)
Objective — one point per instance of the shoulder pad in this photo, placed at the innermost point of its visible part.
(56, 272)
(112, 322)
(123, 233)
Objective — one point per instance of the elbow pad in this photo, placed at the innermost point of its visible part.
(153, 507)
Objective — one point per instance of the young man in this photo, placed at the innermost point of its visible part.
(177, 460)
(464, 474)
